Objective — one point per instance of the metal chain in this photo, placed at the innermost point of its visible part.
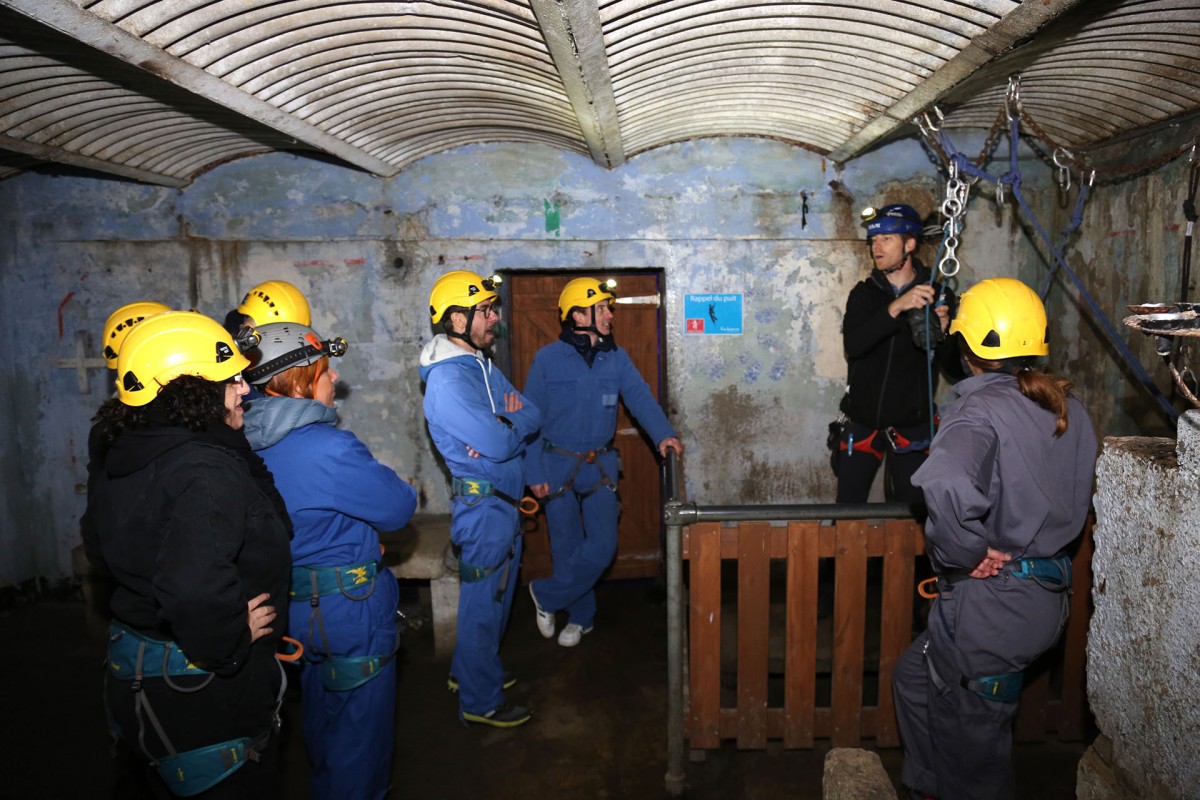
(953, 208)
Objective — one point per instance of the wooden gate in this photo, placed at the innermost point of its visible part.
(831, 678)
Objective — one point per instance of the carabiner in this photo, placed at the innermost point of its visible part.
(295, 654)
(528, 506)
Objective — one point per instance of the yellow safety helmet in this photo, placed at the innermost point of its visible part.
(1002, 318)
(276, 301)
(174, 343)
(584, 293)
(460, 288)
(121, 321)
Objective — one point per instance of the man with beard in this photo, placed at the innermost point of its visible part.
(480, 424)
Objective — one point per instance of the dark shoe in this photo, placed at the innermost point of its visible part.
(510, 680)
(505, 715)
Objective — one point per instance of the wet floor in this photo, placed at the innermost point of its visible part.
(599, 729)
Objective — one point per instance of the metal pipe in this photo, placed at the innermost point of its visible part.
(689, 513)
(676, 770)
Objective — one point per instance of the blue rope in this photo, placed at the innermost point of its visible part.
(1013, 178)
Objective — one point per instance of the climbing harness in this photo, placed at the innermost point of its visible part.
(580, 459)
(338, 673)
(1052, 574)
(473, 573)
(895, 441)
(470, 491)
(135, 658)
(1004, 688)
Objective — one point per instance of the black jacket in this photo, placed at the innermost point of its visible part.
(189, 526)
(887, 375)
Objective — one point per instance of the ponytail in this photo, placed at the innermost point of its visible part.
(1048, 390)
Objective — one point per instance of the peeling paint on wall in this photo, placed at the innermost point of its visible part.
(722, 215)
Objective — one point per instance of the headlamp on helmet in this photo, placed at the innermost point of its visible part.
(286, 345)
(895, 218)
(460, 289)
(585, 293)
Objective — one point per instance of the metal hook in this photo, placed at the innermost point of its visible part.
(1091, 178)
(1064, 170)
(1012, 98)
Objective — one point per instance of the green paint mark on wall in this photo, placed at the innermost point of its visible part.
(553, 219)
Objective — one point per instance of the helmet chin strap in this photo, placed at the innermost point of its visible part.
(466, 335)
(592, 327)
(899, 266)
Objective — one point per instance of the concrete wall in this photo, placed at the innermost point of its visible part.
(1143, 660)
(714, 215)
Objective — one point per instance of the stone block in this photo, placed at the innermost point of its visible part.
(855, 774)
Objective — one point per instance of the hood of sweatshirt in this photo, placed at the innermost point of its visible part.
(442, 349)
(269, 419)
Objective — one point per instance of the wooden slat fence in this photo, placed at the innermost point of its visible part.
(1053, 698)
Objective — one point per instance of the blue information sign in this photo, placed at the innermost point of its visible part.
(712, 313)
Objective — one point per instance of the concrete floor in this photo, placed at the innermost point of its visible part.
(599, 729)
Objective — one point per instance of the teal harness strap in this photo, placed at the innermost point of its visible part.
(127, 649)
(580, 459)
(195, 771)
(1052, 573)
(134, 657)
(471, 490)
(313, 583)
(341, 674)
(310, 582)
(1001, 688)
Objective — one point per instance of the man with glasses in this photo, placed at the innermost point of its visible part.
(480, 424)
(573, 467)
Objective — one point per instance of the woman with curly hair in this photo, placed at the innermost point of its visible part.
(187, 520)
(1008, 483)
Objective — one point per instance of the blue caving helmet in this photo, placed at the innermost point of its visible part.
(896, 218)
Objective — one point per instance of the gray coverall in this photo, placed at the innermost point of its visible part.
(996, 477)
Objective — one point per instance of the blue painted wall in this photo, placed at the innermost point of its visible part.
(715, 215)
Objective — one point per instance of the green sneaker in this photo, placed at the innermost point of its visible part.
(505, 715)
(510, 681)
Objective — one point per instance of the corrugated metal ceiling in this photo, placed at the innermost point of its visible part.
(159, 91)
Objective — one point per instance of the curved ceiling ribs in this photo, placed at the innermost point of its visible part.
(161, 90)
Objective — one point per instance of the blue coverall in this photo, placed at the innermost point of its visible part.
(464, 407)
(339, 497)
(579, 414)
(996, 477)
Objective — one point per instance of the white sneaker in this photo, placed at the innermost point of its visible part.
(545, 620)
(572, 633)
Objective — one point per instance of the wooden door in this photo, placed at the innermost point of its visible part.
(533, 322)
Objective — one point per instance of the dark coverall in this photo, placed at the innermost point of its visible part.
(996, 477)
